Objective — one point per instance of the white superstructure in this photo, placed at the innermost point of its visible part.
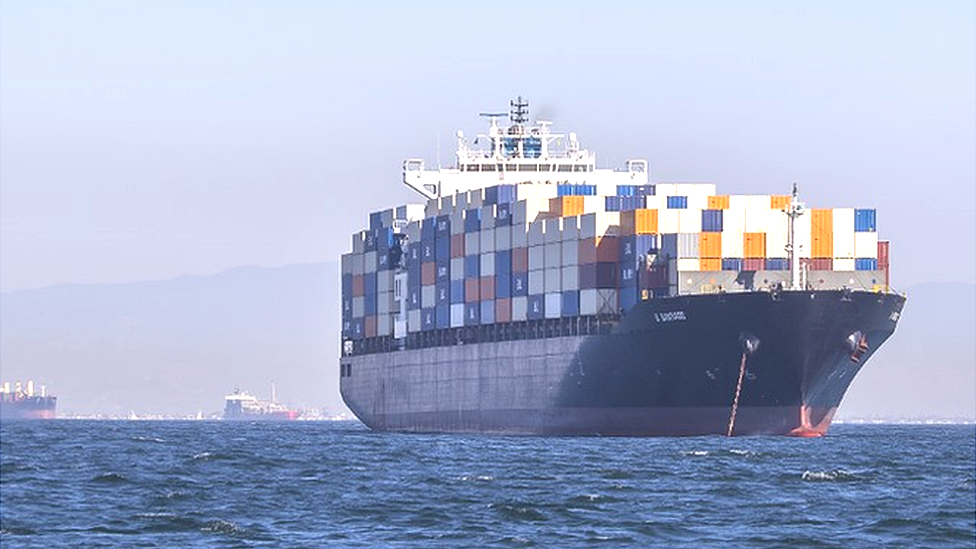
(519, 153)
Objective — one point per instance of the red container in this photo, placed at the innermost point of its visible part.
(608, 250)
(371, 326)
(587, 251)
(457, 246)
(654, 277)
(503, 310)
(471, 287)
(428, 274)
(520, 260)
(818, 264)
(487, 289)
(884, 249)
(357, 286)
(753, 264)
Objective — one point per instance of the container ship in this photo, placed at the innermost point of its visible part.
(23, 403)
(534, 293)
(241, 406)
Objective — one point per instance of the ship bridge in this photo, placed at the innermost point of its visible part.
(520, 153)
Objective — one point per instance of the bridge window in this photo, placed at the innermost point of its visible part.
(511, 167)
(472, 167)
(488, 167)
(565, 167)
(543, 167)
(580, 168)
(528, 167)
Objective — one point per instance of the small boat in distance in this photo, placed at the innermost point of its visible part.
(242, 406)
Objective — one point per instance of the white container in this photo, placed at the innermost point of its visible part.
(777, 238)
(446, 204)
(537, 258)
(569, 252)
(553, 280)
(554, 305)
(413, 229)
(597, 224)
(457, 315)
(759, 202)
(520, 236)
(358, 264)
(369, 263)
(384, 303)
(384, 281)
(553, 257)
(461, 200)
(802, 232)
(689, 221)
(667, 221)
(475, 198)
(656, 202)
(537, 235)
(413, 321)
(537, 282)
(347, 263)
(503, 238)
(844, 264)
(488, 264)
(428, 296)
(570, 277)
(487, 240)
(687, 264)
(757, 220)
(457, 222)
(359, 306)
(487, 217)
(527, 211)
(698, 202)
(571, 227)
(688, 245)
(553, 230)
(665, 189)
(732, 244)
(866, 245)
(472, 243)
(733, 221)
(593, 301)
(694, 189)
(739, 202)
(520, 306)
(457, 268)
(432, 208)
(843, 234)
(383, 325)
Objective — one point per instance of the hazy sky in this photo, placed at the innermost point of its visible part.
(143, 140)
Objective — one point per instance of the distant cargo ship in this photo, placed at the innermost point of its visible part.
(241, 406)
(535, 293)
(22, 403)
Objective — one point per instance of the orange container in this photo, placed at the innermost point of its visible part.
(587, 251)
(753, 245)
(428, 273)
(565, 206)
(520, 260)
(642, 221)
(711, 263)
(718, 202)
(471, 286)
(822, 233)
(607, 250)
(457, 245)
(487, 288)
(779, 201)
(503, 310)
(710, 246)
(357, 286)
(370, 326)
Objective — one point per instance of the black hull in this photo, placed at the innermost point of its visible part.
(670, 367)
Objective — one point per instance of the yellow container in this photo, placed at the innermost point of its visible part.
(779, 201)
(821, 233)
(565, 206)
(642, 221)
(711, 263)
(718, 202)
(710, 246)
(754, 245)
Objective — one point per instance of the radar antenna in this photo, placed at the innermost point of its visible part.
(520, 111)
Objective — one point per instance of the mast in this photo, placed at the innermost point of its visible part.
(794, 211)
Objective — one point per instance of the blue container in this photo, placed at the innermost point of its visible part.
(501, 194)
(503, 214)
(536, 307)
(413, 298)
(503, 262)
(472, 313)
(346, 328)
(644, 190)
(669, 245)
(443, 225)
(677, 202)
(865, 264)
(427, 254)
(712, 221)
(627, 277)
(369, 243)
(472, 266)
(472, 220)
(570, 300)
(628, 298)
(382, 261)
(413, 272)
(487, 312)
(731, 264)
(442, 247)
(442, 315)
(413, 255)
(375, 220)
(457, 291)
(628, 250)
(612, 203)
(347, 308)
(357, 329)
(443, 270)
(520, 284)
(370, 300)
(626, 190)
(369, 283)
(347, 285)
(428, 228)
(777, 264)
(385, 239)
(503, 285)
(865, 221)
(428, 319)
(442, 292)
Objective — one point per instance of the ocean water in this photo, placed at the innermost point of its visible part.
(336, 484)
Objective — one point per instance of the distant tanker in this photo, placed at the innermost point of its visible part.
(24, 404)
